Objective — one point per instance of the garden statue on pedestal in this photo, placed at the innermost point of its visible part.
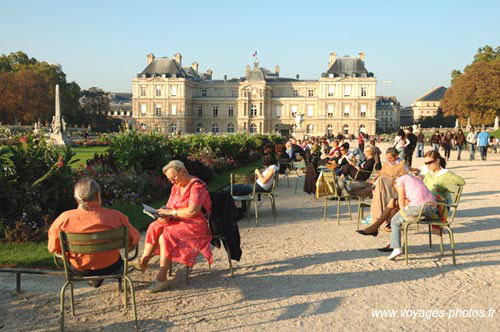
(58, 126)
(496, 123)
(299, 131)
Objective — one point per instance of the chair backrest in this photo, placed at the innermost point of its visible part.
(242, 179)
(284, 161)
(456, 194)
(299, 164)
(91, 243)
(329, 179)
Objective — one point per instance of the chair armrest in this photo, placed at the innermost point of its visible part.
(419, 217)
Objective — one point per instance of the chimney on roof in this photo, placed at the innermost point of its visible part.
(332, 58)
(362, 56)
(209, 73)
(150, 57)
(194, 65)
(225, 78)
(247, 70)
(277, 70)
(178, 58)
(297, 76)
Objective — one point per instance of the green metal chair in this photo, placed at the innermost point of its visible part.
(284, 161)
(245, 199)
(296, 166)
(331, 179)
(453, 207)
(91, 243)
(270, 194)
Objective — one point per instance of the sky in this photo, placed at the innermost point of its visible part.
(411, 46)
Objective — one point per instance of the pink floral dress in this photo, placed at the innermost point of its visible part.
(185, 238)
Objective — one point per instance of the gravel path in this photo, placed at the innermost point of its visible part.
(300, 274)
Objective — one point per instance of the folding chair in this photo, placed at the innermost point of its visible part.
(246, 199)
(91, 243)
(296, 166)
(453, 208)
(331, 179)
(284, 161)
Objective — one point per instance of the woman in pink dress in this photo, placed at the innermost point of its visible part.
(182, 233)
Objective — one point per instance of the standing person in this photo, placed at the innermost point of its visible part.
(436, 140)
(400, 142)
(483, 138)
(410, 148)
(472, 141)
(460, 141)
(446, 142)
(361, 141)
(493, 144)
(420, 143)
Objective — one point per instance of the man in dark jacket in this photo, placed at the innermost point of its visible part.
(410, 148)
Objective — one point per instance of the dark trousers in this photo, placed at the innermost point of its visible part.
(409, 156)
(484, 152)
(115, 268)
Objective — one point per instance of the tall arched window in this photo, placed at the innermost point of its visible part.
(230, 128)
(362, 128)
(346, 129)
(253, 128)
(215, 128)
(199, 128)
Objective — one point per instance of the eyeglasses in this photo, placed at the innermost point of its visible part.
(430, 162)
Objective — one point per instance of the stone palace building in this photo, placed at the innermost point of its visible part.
(170, 98)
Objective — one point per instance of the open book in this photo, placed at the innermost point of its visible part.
(151, 211)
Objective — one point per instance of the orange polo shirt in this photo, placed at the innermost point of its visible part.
(96, 219)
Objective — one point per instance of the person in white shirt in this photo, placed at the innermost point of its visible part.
(472, 141)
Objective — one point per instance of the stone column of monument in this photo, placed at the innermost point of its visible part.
(58, 135)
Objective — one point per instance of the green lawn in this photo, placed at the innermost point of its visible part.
(83, 154)
(495, 133)
(36, 254)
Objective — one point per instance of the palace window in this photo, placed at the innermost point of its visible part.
(230, 128)
(346, 129)
(215, 111)
(295, 93)
(363, 91)
(253, 110)
(330, 111)
(204, 92)
(158, 91)
(173, 127)
(200, 111)
(294, 110)
(347, 110)
(362, 110)
(331, 90)
(310, 128)
(158, 110)
(143, 109)
(329, 130)
(143, 91)
(159, 128)
(215, 128)
(253, 128)
(347, 91)
(174, 109)
(278, 111)
(174, 90)
(310, 110)
(230, 111)
(199, 128)
(310, 93)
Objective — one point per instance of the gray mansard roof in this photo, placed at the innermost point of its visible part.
(348, 66)
(435, 94)
(165, 67)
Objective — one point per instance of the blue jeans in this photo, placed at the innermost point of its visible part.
(420, 150)
(484, 152)
(435, 146)
(459, 151)
(472, 151)
(397, 220)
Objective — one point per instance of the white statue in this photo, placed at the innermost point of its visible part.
(496, 123)
(468, 124)
(299, 118)
(456, 123)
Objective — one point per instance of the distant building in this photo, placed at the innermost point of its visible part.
(406, 116)
(168, 97)
(120, 105)
(428, 104)
(388, 114)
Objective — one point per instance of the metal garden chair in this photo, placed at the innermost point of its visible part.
(91, 243)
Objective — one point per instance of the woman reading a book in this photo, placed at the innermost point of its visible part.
(181, 232)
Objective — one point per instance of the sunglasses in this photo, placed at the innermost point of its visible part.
(430, 162)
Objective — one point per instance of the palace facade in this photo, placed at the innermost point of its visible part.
(170, 98)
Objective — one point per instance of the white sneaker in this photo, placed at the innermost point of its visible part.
(395, 253)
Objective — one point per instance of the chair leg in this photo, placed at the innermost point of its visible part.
(349, 205)
(187, 275)
(273, 206)
(441, 240)
(405, 233)
(256, 212)
(72, 299)
(125, 297)
(324, 211)
(338, 211)
(170, 269)
(452, 244)
(249, 205)
(430, 235)
(132, 295)
(61, 301)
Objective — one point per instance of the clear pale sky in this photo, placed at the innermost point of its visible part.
(414, 44)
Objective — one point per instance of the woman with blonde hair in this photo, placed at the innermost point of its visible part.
(182, 231)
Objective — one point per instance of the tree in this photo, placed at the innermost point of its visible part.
(95, 106)
(476, 93)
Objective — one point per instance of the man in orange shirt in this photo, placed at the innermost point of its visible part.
(90, 217)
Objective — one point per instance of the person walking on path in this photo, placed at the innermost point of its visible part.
(420, 143)
(483, 139)
(436, 140)
(446, 142)
(472, 141)
(460, 141)
(410, 148)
